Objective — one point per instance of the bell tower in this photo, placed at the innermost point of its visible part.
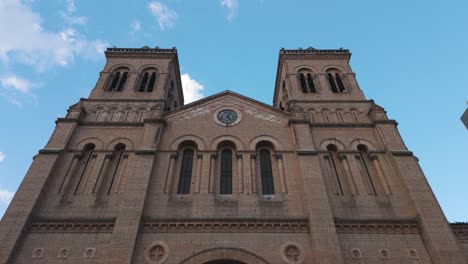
(140, 74)
(311, 75)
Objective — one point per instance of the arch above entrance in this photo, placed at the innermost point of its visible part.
(224, 256)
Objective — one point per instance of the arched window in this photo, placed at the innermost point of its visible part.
(113, 169)
(339, 82)
(85, 160)
(306, 80)
(366, 169)
(332, 83)
(334, 168)
(185, 176)
(310, 82)
(303, 83)
(266, 172)
(225, 186)
(147, 81)
(336, 82)
(75, 183)
(117, 80)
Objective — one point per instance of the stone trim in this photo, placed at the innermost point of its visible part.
(377, 227)
(460, 231)
(72, 227)
(401, 152)
(121, 100)
(145, 151)
(342, 124)
(226, 226)
(88, 123)
(50, 151)
(309, 152)
(66, 120)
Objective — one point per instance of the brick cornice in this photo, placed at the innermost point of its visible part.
(377, 227)
(226, 226)
(72, 226)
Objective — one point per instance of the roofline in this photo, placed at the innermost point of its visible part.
(309, 52)
(225, 92)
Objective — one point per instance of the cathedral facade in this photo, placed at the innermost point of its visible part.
(132, 175)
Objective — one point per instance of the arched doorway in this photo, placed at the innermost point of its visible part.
(224, 261)
(224, 256)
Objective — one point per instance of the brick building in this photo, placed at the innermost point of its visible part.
(132, 175)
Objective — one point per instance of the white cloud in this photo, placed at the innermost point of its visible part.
(25, 41)
(6, 195)
(74, 20)
(165, 16)
(192, 89)
(2, 156)
(71, 7)
(17, 83)
(231, 6)
(135, 27)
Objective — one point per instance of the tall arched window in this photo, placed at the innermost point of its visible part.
(366, 169)
(307, 82)
(336, 82)
(115, 164)
(185, 176)
(78, 173)
(339, 82)
(117, 80)
(303, 82)
(85, 160)
(266, 172)
(225, 186)
(331, 81)
(310, 82)
(335, 170)
(147, 81)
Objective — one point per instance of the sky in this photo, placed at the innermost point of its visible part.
(411, 57)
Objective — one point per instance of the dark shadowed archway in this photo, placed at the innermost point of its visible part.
(224, 256)
(224, 261)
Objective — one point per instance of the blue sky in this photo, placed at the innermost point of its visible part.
(411, 57)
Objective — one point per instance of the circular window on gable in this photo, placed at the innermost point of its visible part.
(227, 116)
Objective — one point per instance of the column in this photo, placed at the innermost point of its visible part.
(211, 184)
(279, 159)
(380, 173)
(240, 176)
(348, 175)
(170, 173)
(199, 173)
(253, 174)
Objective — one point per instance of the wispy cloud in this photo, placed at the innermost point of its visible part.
(192, 89)
(71, 7)
(231, 6)
(135, 26)
(69, 17)
(27, 42)
(2, 156)
(17, 83)
(6, 195)
(165, 16)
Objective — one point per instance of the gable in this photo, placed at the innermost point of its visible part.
(209, 105)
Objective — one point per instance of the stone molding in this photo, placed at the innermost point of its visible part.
(460, 231)
(226, 226)
(50, 151)
(106, 123)
(377, 227)
(71, 227)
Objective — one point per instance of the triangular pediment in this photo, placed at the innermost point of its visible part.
(224, 99)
